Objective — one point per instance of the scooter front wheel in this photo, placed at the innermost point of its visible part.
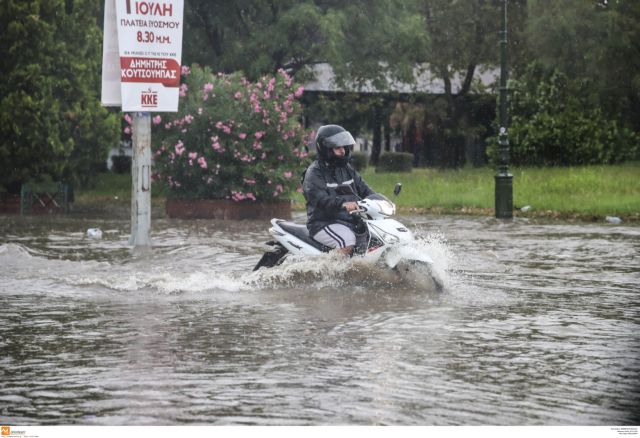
(272, 257)
(419, 275)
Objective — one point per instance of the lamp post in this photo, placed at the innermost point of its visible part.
(504, 179)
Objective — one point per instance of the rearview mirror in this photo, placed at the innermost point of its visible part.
(396, 190)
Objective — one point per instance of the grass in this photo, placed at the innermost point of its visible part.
(585, 193)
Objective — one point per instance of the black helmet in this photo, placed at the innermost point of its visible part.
(330, 137)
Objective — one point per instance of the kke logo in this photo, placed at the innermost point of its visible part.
(149, 99)
(5, 431)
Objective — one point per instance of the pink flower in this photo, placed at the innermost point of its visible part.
(251, 196)
(183, 90)
(207, 87)
(299, 91)
(238, 95)
(287, 174)
(192, 156)
(157, 120)
(250, 182)
(242, 136)
(185, 70)
(179, 147)
(127, 130)
(128, 119)
(258, 135)
(237, 196)
(202, 162)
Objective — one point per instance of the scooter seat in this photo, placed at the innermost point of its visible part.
(302, 233)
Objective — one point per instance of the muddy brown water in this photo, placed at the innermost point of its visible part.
(539, 325)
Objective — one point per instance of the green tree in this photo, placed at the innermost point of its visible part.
(595, 43)
(51, 121)
(553, 124)
(256, 37)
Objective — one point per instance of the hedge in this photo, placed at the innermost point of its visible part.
(395, 162)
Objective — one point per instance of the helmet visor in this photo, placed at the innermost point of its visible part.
(341, 139)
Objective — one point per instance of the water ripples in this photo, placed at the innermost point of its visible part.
(540, 325)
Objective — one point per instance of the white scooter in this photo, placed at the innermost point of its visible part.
(388, 242)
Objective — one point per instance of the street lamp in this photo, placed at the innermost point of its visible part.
(504, 180)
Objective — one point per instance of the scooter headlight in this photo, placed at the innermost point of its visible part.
(390, 238)
(387, 208)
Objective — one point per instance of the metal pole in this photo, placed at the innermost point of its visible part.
(503, 179)
(141, 181)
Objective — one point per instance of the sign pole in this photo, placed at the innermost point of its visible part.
(141, 180)
(141, 73)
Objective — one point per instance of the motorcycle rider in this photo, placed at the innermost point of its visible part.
(331, 187)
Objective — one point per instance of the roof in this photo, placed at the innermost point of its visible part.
(425, 82)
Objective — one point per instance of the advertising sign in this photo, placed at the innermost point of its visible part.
(149, 41)
(111, 94)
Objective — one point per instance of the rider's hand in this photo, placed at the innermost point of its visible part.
(350, 206)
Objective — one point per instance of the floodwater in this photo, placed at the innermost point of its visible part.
(539, 325)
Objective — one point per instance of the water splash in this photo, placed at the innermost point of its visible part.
(335, 271)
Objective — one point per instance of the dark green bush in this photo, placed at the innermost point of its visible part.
(554, 124)
(121, 163)
(359, 160)
(395, 162)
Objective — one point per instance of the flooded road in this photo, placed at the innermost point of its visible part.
(539, 325)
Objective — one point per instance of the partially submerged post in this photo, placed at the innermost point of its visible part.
(141, 181)
(503, 179)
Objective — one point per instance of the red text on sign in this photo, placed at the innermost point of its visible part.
(149, 99)
(150, 8)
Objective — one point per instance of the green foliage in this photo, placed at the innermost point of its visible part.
(256, 37)
(232, 139)
(51, 122)
(121, 163)
(395, 162)
(359, 160)
(553, 124)
(595, 44)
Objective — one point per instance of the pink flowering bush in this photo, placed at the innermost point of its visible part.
(231, 139)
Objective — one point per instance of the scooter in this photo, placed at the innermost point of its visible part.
(387, 242)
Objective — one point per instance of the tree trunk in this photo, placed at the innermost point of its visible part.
(377, 135)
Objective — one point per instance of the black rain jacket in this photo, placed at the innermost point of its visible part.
(325, 189)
